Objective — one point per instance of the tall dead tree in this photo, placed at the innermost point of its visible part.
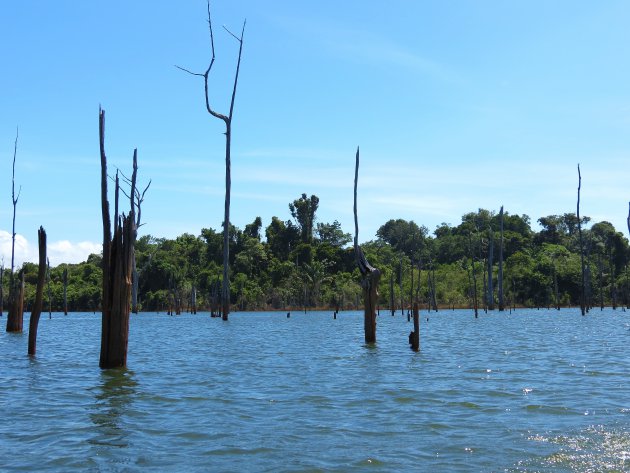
(65, 291)
(227, 119)
(474, 275)
(392, 306)
(490, 272)
(48, 288)
(579, 222)
(1, 288)
(371, 275)
(500, 276)
(36, 312)
(139, 198)
(15, 317)
(117, 265)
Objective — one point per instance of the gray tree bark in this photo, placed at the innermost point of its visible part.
(371, 275)
(500, 276)
(227, 119)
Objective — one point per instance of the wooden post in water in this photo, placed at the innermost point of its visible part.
(117, 267)
(414, 337)
(371, 275)
(39, 294)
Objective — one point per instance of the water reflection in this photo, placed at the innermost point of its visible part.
(113, 399)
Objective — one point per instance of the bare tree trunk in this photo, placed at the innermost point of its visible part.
(400, 286)
(117, 266)
(1, 289)
(414, 337)
(65, 291)
(371, 275)
(134, 285)
(48, 288)
(474, 276)
(39, 294)
(555, 286)
(193, 300)
(15, 316)
(392, 307)
(490, 264)
(500, 281)
(582, 293)
(227, 119)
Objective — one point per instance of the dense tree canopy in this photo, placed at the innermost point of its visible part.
(309, 264)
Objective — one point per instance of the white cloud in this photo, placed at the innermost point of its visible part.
(59, 252)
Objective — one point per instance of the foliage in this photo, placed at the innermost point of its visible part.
(297, 265)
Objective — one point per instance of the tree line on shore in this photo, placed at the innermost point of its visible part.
(301, 263)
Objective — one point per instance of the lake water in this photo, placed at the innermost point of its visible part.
(528, 391)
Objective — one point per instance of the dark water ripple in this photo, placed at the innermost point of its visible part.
(523, 392)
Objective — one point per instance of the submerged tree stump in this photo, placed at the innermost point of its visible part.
(39, 294)
(414, 337)
(371, 275)
(117, 267)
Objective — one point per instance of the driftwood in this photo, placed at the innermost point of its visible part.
(583, 286)
(371, 275)
(39, 294)
(227, 119)
(117, 266)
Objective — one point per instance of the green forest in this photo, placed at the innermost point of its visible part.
(301, 263)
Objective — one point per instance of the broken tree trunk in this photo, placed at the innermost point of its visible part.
(500, 276)
(39, 293)
(392, 307)
(371, 275)
(117, 265)
(414, 337)
(579, 222)
(474, 276)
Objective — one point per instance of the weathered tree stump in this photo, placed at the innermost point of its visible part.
(414, 337)
(117, 267)
(39, 294)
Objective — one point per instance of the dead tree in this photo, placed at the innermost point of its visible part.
(371, 275)
(474, 276)
(39, 293)
(65, 291)
(392, 307)
(579, 222)
(117, 266)
(48, 288)
(414, 337)
(1, 288)
(227, 119)
(500, 276)
(139, 198)
(490, 264)
(15, 316)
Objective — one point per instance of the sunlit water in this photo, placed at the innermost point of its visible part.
(527, 391)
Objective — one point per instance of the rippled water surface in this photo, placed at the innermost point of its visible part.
(527, 391)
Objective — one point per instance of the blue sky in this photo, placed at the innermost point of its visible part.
(457, 105)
